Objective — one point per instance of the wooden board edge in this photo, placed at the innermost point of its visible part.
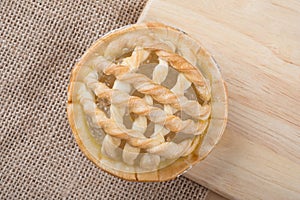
(142, 17)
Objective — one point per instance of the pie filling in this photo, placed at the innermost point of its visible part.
(146, 108)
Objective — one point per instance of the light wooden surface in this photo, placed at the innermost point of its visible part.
(257, 45)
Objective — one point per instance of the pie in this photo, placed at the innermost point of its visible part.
(141, 102)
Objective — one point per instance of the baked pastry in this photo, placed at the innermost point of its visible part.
(139, 105)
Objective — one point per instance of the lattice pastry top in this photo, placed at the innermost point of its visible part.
(144, 105)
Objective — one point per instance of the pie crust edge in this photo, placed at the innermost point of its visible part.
(183, 163)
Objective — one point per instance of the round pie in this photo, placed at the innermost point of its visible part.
(146, 102)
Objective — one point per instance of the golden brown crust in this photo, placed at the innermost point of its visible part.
(180, 165)
(159, 92)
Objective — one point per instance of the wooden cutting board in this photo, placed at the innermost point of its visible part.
(257, 45)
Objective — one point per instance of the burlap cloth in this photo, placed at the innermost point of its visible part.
(39, 158)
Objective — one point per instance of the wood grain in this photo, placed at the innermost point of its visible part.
(257, 45)
(214, 196)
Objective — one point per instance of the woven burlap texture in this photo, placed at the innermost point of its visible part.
(39, 158)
